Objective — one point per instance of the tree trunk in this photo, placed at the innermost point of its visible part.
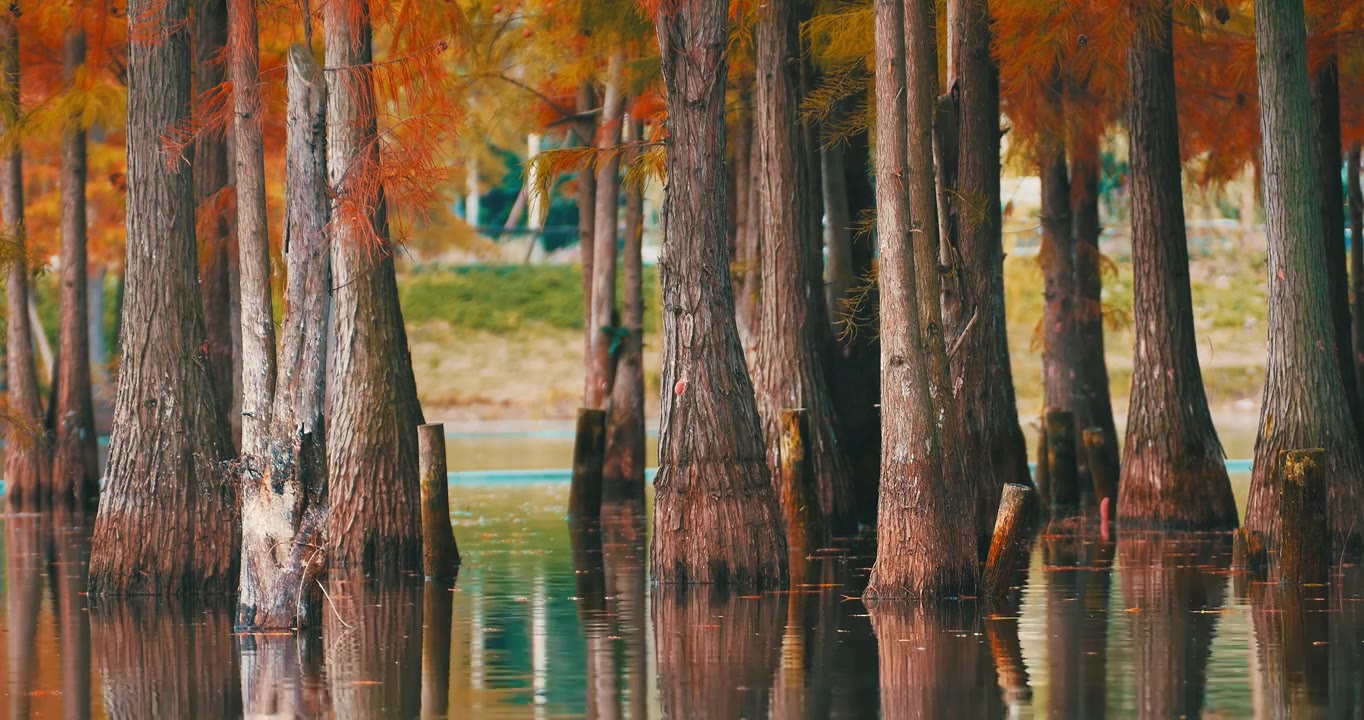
(601, 329)
(750, 247)
(374, 522)
(28, 452)
(743, 155)
(1304, 402)
(789, 365)
(209, 159)
(857, 378)
(1326, 133)
(987, 407)
(284, 489)
(167, 520)
(1173, 472)
(1357, 262)
(838, 231)
(75, 469)
(1057, 259)
(716, 516)
(98, 340)
(253, 242)
(1093, 403)
(924, 549)
(587, 215)
(623, 470)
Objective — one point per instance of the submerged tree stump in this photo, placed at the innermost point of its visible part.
(440, 552)
(1042, 475)
(1103, 476)
(1062, 470)
(796, 484)
(1010, 539)
(589, 454)
(1248, 553)
(1304, 534)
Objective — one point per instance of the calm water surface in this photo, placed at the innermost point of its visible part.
(545, 624)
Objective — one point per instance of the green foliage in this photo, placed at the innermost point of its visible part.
(507, 298)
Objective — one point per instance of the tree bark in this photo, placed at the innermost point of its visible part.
(924, 549)
(1093, 401)
(28, 452)
(748, 304)
(602, 327)
(284, 488)
(167, 521)
(623, 470)
(75, 468)
(210, 160)
(789, 366)
(374, 522)
(981, 373)
(1357, 262)
(1326, 132)
(253, 241)
(1173, 472)
(1057, 258)
(587, 215)
(1304, 399)
(716, 515)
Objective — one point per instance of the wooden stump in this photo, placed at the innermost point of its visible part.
(1062, 471)
(1304, 536)
(1249, 560)
(1104, 477)
(1010, 540)
(589, 453)
(796, 484)
(440, 554)
(1042, 475)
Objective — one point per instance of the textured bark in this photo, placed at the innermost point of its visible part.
(1304, 402)
(208, 22)
(1304, 541)
(373, 521)
(440, 554)
(1064, 488)
(717, 653)
(75, 468)
(159, 658)
(748, 303)
(1058, 265)
(1357, 261)
(1093, 402)
(167, 519)
(981, 373)
(856, 387)
(924, 548)
(1173, 472)
(589, 450)
(603, 322)
(623, 471)
(1326, 133)
(1010, 542)
(1164, 581)
(789, 367)
(715, 514)
(743, 154)
(284, 490)
(257, 311)
(794, 477)
(927, 671)
(28, 453)
(587, 214)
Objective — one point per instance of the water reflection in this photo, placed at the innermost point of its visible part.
(545, 622)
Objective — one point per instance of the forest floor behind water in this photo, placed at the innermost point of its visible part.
(504, 343)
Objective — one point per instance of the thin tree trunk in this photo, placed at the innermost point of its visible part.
(623, 471)
(1357, 261)
(28, 452)
(75, 469)
(210, 161)
(789, 365)
(374, 521)
(253, 242)
(167, 517)
(917, 504)
(98, 341)
(1057, 259)
(981, 373)
(838, 229)
(750, 247)
(1093, 402)
(1173, 472)
(587, 225)
(716, 516)
(1304, 402)
(1326, 132)
(601, 328)
(284, 492)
